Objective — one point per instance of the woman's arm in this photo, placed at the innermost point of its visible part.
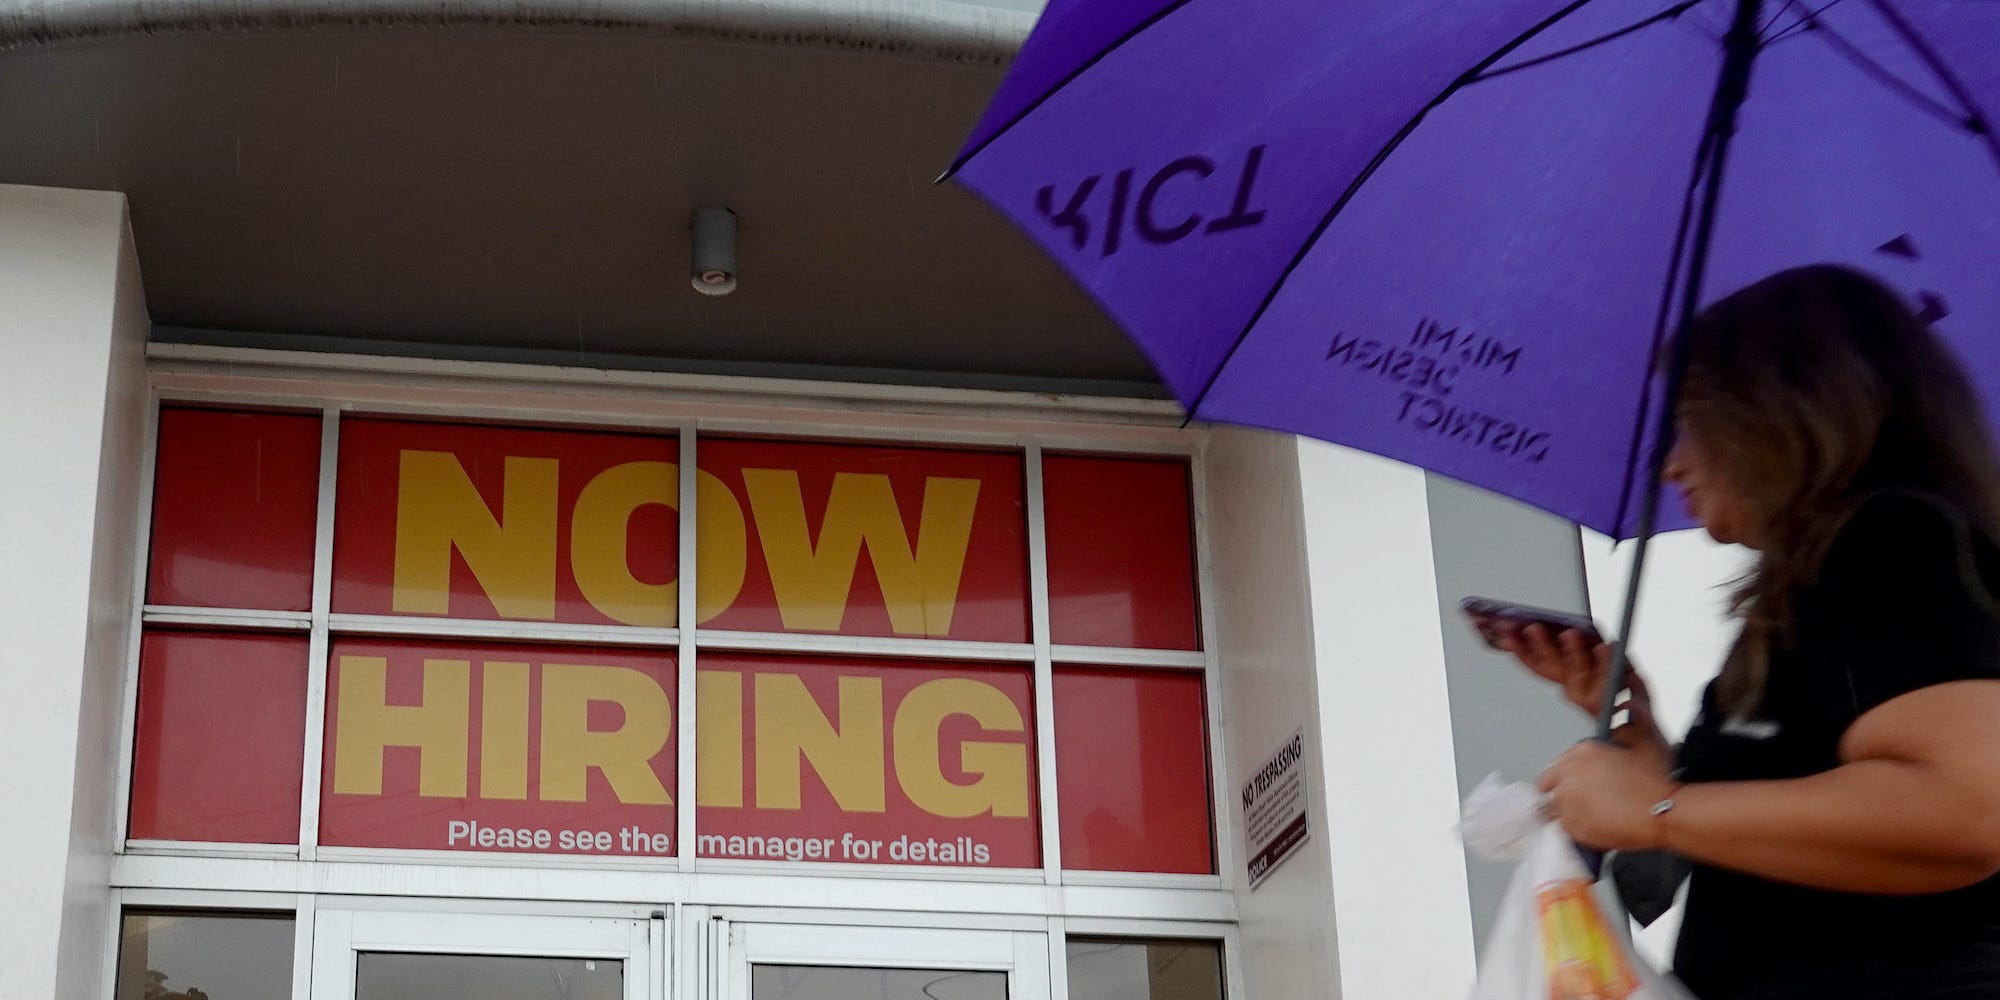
(1915, 808)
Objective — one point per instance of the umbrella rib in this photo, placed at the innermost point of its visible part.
(1661, 320)
(1976, 120)
(1808, 19)
(1882, 75)
(1666, 15)
(1081, 68)
(1340, 204)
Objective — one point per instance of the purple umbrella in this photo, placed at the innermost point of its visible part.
(1458, 234)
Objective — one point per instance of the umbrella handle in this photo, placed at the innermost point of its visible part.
(1593, 861)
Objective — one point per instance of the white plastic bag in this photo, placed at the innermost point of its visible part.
(1554, 938)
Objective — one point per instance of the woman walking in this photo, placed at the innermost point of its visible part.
(1839, 794)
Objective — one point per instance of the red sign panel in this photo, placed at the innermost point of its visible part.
(1132, 767)
(569, 749)
(541, 749)
(235, 497)
(219, 748)
(866, 762)
(494, 522)
(863, 540)
(1121, 552)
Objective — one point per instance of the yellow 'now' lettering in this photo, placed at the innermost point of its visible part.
(602, 520)
(599, 529)
(811, 582)
(513, 556)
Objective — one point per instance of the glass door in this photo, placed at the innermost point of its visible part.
(816, 962)
(396, 955)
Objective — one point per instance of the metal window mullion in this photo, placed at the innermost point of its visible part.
(721, 961)
(1044, 687)
(819, 643)
(268, 377)
(304, 917)
(230, 618)
(212, 848)
(1140, 879)
(1232, 963)
(656, 937)
(688, 549)
(501, 629)
(114, 919)
(135, 630)
(1220, 828)
(319, 644)
(1058, 958)
(1116, 656)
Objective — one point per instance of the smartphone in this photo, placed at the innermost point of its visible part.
(1489, 616)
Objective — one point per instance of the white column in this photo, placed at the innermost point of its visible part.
(1385, 720)
(1328, 619)
(72, 418)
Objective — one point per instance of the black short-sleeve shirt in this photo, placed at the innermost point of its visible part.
(1901, 602)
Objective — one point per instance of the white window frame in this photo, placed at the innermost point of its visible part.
(341, 934)
(1023, 955)
(691, 407)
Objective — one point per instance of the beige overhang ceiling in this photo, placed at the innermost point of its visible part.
(513, 179)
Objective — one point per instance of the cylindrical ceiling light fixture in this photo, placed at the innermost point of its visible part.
(714, 250)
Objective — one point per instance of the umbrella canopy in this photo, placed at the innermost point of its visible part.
(1458, 234)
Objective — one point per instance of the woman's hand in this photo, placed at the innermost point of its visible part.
(1603, 796)
(1572, 659)
(1579, 665)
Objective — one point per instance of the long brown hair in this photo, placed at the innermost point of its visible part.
(1814, 389)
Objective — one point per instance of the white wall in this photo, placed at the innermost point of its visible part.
(1400, 898)
(1328, 618)
(72, 413)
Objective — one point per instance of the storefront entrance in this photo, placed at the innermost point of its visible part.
(934, 720)
(805, 962)
(378, 955)
(372, 954)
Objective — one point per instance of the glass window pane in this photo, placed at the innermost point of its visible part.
(811, 982)
(866, 761)
(863, 540)
(235, 496)
(388, 976)
(1139, 969)
(506, 523)
(1121, 552)
(219, 745)
(1132, 770)
(441, 744)
(186, 956)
